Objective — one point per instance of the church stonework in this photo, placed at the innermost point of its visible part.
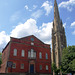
(58, 37)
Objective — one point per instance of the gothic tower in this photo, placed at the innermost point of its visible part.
(58, 37)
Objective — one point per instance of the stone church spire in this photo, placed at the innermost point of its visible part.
(56, 12)
(57, 19)
(58, 37)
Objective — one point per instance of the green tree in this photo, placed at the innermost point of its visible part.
(68, 60)
(0, 59)
(55, 69)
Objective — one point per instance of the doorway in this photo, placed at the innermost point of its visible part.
(31, 68)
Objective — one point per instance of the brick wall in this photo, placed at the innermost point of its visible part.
(25, 44)
(5, 54)
(21, 74)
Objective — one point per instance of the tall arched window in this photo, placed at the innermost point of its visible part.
(22, 54)
(46, 67)
(29, 54)
(32, 52)
(15, 52)
(46, 56)
(40, 55)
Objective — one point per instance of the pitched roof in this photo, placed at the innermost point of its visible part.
(29, 38)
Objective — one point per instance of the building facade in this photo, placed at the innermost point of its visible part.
(28, 54)
(58, 37)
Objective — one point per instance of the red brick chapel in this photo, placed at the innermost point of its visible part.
(28, 55)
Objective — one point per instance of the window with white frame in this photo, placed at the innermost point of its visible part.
(15, 52)
(31, 54)
(46, 56)
(40, 67)
(40, 55)
(22, 66)
(28, 53)
(34, 54)
(46, 67)
(14, 65)
(22, 54)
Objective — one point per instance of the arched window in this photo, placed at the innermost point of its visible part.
(40, 55)
(15, 52)
(22, 54)
(32, 52)
(46, 67)
(34, 55)
(46, 56)
(28, 53)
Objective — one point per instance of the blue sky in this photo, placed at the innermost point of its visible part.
(20, 18)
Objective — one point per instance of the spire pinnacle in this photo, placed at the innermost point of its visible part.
(56, 12)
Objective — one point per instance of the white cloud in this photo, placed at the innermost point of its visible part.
(73, 27)
(44, 32)
(26, 7)
(47, 7)
(64, 25)
(30, 10)
(15, 16)
(67, 4)
(73, 32)
(34, 6)
(28, 28)
(37, 14)
(73, 24)
(68, 19)
(4, 38)
(21, 30)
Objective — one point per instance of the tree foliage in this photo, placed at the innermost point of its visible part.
(0, 58)
(68, 59)
(55, 69)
